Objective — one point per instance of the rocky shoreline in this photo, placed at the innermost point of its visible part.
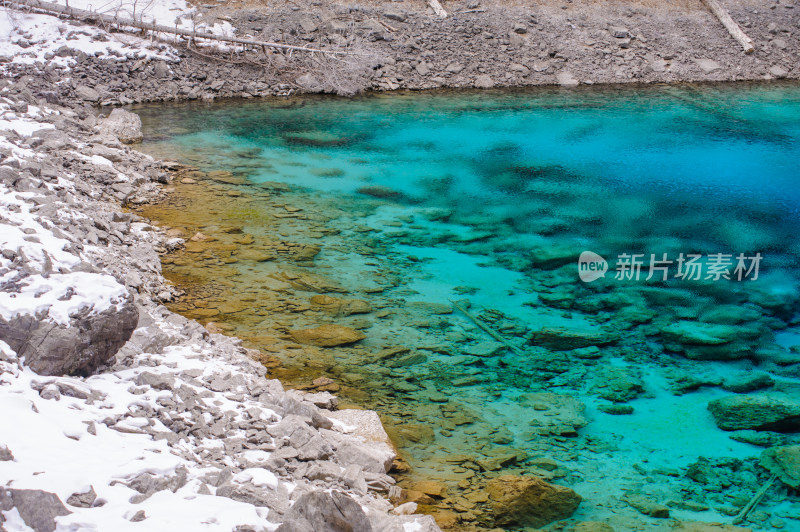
(194, 407)
(401, 46)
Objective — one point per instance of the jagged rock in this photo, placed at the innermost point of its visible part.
(246, 493)
(325, 512)
(87, 93)
(38, 509)
(83, 500)
(157, 381)
(91, 340)
(308, 443)
(758, 412)
(124, 125)
(327, 335)
(529, 501)
(375, 454)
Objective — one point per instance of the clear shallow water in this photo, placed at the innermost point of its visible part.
(415, 200)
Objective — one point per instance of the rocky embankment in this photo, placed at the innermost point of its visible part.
(403, 46)
(118, 414)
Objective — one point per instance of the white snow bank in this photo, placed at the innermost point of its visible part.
(29, 38)
(54, 450)
(62, 295)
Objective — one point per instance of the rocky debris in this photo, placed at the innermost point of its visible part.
(757, 412)
(529, 501)
(327, 335)
(122, 125)
(37, 509)
(90, 340)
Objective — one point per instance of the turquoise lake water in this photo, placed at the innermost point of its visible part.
(488, 199)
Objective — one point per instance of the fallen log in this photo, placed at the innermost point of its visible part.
(741, 516)
(485, 328)
(733, 28)
(94, 17)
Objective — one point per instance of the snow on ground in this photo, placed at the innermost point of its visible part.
(47, 285)
(65, 445)
(30, 38)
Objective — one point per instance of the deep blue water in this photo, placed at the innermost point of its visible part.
(491, 196)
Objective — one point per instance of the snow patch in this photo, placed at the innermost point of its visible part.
(59, 296)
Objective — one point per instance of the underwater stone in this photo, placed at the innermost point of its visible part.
(340, 307)
(529, 501)
(618, 384)
(759, 412)
(563, 339)
(553, 413)
(784, 462)
(647, 507)
(748, 383)
(698, 333)
(616, 410)
(327, 336)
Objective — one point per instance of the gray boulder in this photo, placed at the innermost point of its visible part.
(124, 125)
(87, 93)
(38, 509)
(91, 340)
(757, 412)
(325, 512)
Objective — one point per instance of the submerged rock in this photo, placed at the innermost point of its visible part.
(340, 307)
(748, 383)
(552, 413)
(565, 339)
(759, 412)
(783, 462)
(618, 384)
(327, 336)
(529, 501)
(647, 507)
